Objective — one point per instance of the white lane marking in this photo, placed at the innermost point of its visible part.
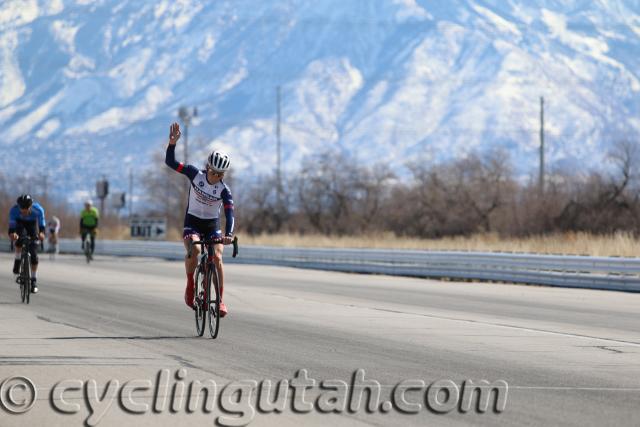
(502, 325)
(570, 388)
(479, 322)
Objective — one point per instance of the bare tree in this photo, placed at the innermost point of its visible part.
(461, 197)
(338, 196)
(259, 207)
(607, 203)
(482, 182)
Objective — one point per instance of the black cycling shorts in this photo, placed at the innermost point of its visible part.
(30, 230)
(204, 228)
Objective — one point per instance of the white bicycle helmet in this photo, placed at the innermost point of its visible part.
(219, 161)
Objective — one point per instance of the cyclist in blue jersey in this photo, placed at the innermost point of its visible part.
(207, 194)
(26, 217)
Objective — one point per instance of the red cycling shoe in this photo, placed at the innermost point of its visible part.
(188, 295)
(223, 309)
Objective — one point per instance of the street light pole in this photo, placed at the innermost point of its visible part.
(186, 116)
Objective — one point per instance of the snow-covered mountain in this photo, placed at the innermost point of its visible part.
(89, 88)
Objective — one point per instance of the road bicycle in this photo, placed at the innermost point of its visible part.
(207, 292)
(24, 277)
(86, 245)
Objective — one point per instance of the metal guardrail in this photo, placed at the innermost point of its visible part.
(555, 270)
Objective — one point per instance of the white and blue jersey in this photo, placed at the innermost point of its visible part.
(31, 223)
(205, 199)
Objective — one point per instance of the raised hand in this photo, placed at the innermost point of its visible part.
(174, 133)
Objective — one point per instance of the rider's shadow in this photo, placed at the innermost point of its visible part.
(133, 337)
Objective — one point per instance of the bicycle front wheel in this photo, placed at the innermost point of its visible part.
(87, 250)
(23, 286)
(26, 279)
(199, 302)
(214, 301)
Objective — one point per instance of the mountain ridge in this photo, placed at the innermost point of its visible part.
(88, 88)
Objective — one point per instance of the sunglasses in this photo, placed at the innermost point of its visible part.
(214, 172)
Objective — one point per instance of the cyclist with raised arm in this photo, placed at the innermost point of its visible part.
(26, 218)
(88, 224)
(207, 194)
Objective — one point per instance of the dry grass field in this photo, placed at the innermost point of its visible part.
(620, 244)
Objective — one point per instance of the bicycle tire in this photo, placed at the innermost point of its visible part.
(26, 277)
(87, 249)
(214, 303)
(23, 294)
(200, 312)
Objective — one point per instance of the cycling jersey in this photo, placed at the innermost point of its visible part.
(30, 222)
(89, 218)
(205, 200)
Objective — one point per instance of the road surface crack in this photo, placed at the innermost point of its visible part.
(607, 348)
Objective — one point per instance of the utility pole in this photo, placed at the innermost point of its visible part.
(278, 170)
(130, 192)
(186, 116)
(541, 177)
(46, 188)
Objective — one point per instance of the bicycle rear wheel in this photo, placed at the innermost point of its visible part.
(199, 302)
(214, 301)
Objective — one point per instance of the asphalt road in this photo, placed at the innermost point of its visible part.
(567, 356)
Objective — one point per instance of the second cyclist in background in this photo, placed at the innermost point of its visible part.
(53, 226)
(89, 224)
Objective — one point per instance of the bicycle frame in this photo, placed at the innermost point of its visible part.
(24, 278)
